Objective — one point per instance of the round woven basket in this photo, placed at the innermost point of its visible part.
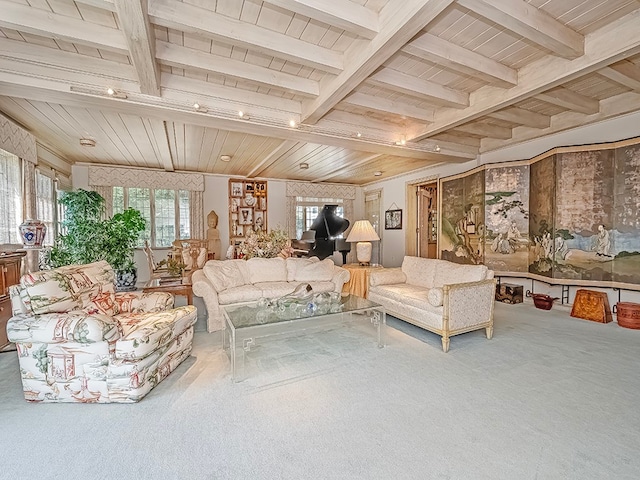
(628, 315)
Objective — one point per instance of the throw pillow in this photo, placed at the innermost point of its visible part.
(307, 270)
(224, 274)
(435, 296)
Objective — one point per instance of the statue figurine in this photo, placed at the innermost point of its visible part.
(213, 236)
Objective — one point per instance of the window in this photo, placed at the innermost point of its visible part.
(307, 209)
(46, 205)
(10, 197)
(167, 212)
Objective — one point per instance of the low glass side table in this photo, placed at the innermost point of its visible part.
(247, 323)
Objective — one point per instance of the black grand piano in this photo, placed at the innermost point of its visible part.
(327, 226)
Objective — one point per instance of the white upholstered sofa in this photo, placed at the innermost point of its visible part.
(440, 296)
(228, 282)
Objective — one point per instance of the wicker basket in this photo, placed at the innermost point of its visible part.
(628, 314)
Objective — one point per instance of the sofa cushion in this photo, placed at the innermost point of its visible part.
(225, 274)
(435, 296)
(88, 287)
(275, 289)
(419, 271)
(244, 293)
(309, 269)
(448, 273)
(407, 294)
(267, 270)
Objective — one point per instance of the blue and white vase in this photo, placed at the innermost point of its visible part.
(32, 233)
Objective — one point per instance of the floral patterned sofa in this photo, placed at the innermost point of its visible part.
(440, 296)
(79, 341)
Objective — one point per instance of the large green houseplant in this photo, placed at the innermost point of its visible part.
(88, 237)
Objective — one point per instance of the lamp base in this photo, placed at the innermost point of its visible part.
(363, 252)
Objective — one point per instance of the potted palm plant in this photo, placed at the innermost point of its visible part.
(88, 237)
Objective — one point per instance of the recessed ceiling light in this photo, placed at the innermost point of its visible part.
(87, 142)
(358, 134)
(292, 123)
(243, 115)
(111, 91)
(437, 149)
(377, 174)
(225, 158)
(304, 166)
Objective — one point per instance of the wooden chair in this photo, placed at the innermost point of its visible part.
(154, 270)
(193, 252)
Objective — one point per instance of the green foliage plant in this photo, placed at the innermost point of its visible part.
(89, 237)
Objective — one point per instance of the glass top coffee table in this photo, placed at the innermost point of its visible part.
(247, 323)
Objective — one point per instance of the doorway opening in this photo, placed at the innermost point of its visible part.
(427, 221)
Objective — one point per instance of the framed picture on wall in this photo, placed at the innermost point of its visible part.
(245, 216)
(393, 219)
(237, 189)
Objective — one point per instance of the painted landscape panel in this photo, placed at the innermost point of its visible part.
(507, 218)
(462, 220)
(584, 215)
(541, 207)
(625, 238)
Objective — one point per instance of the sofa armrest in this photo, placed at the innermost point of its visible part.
(469, 304)
(340, 277)
(203, 288)
(141, 302)
(386, 276)
(74, 326)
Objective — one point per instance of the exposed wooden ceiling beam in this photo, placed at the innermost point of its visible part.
(521, 116)
(611, 107)
(565, 98)
(184, 57)
(140, 38)
(532, 23)
(601, 49)
(17, 85)
(485, 130)
(454, 57)
(417, 87)
(61, 27)
(389, 106)
(625, 73)
(348, 16)
(60, 59)
(400, 20)
(190, 18)
(357, 123)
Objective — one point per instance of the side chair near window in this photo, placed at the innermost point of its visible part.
(154, 270)
(78, 340)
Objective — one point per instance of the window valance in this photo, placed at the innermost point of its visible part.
(127, 177)
(15, 139)
(321, 190)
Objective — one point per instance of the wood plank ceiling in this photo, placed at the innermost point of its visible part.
(386, 86)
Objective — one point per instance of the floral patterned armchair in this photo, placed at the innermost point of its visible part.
(79, 341)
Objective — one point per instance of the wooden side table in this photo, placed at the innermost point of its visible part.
(358, 283)
(177, 286)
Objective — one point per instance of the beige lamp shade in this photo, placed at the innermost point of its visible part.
(363, 233)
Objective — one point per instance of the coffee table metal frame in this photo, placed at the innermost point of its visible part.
(242, 328)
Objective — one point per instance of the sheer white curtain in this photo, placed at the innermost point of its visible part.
(10, 197)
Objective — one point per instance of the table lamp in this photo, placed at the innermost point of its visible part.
(363, 233)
